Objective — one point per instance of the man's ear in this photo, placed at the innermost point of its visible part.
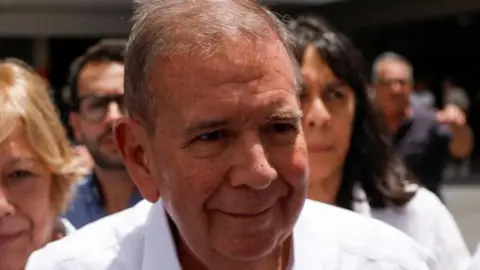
(131, 140)
(74, 121)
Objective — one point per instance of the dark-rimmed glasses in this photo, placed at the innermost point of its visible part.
(94, 108)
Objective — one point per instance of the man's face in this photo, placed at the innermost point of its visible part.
(100, 88)
(228, 155)
(393, 87)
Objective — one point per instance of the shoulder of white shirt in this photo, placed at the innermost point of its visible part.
(475, 260)
(428, 221)
(425, 205)
(365, 237)
(423, 200)
(100, 238)
(320, 224)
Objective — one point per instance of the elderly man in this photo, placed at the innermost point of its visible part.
(214, 129)
(424, 138)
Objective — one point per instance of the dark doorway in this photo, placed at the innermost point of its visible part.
(20, 48)
(63, 52)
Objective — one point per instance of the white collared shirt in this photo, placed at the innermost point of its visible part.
(325, 238)
(426, 219)
(69, 228)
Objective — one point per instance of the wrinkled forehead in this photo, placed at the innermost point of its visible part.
(392, 69)
(187, 85)
(234, 61)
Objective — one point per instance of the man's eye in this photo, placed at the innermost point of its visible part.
(283, 127)
(211, 136)
(209, 144)
(284, 133)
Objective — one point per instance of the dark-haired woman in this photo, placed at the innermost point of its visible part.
(351, 163)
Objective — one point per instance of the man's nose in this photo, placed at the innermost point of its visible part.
(252, 167)
(6, 208)
(114, 112)
(396, 87)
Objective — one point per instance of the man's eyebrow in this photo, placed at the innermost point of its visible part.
(196, 127)
(286, 115)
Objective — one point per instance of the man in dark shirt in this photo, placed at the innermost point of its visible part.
(424, 138)
(96, 85)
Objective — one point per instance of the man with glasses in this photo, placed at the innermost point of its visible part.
(96, 85)
(424, 138)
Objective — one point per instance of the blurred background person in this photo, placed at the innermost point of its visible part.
(351, 162)
(37, 168)
(96, 85)
(422, 96)
(424, 138)
(453, 94)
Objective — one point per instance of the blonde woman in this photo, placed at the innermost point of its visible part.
(37, 170)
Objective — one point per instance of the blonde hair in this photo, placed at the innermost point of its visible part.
(25, 103)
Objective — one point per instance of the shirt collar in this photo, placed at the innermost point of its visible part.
(405, 125)
(94, 195)
(159, 244)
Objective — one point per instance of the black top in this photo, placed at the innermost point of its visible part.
(422, 143)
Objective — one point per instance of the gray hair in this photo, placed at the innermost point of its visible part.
(168, 27)
(391, 56)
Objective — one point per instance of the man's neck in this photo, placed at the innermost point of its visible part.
(394, 121)
(326, 190)
(279, 259)
(116, 187)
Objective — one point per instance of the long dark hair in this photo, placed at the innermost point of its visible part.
(370, 161)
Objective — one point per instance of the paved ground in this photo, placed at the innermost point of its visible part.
(464, 202)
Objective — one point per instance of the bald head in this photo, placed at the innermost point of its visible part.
(390, 57)
(392, 78)
(188, 27)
